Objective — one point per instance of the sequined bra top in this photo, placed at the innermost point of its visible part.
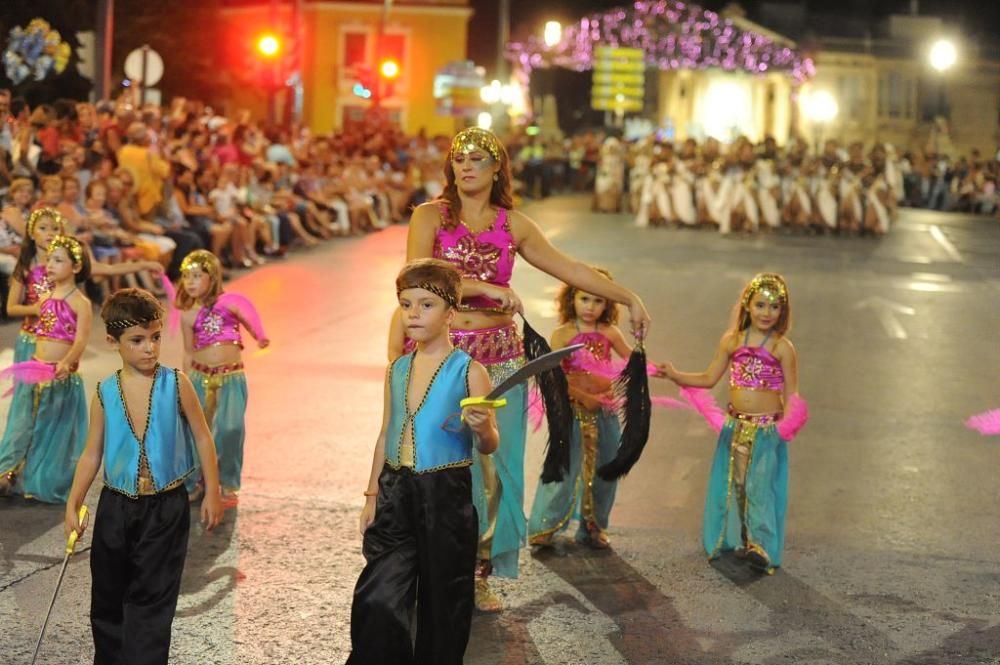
(755, 368)
(487, 256)
(216, 325)
(596, 345)
(36, 284)
(56, 320)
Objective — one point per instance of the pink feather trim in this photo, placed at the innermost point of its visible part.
(795, 417)
(246, 311)
(30, 371)
(702, 401)
(986, 423)
(173, 314)
(536, 408)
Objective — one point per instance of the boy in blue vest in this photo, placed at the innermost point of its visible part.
(419, 526)
(144, 424)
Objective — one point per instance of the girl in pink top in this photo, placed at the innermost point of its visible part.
(473, 226)
(41, 447)
(748, 485)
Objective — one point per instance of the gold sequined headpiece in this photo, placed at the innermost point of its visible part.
(202, 259)
(46, 212)
(768, 283)
(71, 245)
(123, 324)
(433, 288)
(475, 138)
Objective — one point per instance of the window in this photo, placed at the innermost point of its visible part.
(394, 47)
(895, 95)
(355, 44)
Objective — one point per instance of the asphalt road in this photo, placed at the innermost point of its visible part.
(894, 517)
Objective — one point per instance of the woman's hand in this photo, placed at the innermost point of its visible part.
(63, 369)
(640, 318)
(506, 298)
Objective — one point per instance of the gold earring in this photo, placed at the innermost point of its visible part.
(496, 177)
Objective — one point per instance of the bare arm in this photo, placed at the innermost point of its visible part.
(211, 505)
(710, 376)
(187, 328)
(617, 339)
(378, 460)
(539, 252)
(789, 366)
(86, 468)
(482, 421)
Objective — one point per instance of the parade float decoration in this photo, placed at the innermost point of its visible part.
(672, 35)
(35, 51)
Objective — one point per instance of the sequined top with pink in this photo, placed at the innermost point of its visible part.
(36, 285)
(595, 343)
(486, 257)
(56, 321)
(216, 325)
(756, 368)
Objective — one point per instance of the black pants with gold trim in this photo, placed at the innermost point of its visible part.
(139, 547)
(421, 548)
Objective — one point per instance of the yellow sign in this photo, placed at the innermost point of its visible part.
(619, 79)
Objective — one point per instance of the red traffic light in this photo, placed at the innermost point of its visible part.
(389, 69)
(268, 45)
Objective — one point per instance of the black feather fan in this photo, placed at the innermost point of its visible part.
(554, 388)
(632, 388)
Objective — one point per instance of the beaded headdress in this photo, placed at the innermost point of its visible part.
(46, 212)
(202, 259)
(771, 285)
(71, 245)
(475, 138)
(122, 324)
(433, 288)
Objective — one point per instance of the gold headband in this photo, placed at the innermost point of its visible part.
(46, 212)
(769, 284)
(71, 245)
(202, 259)
(122, 324)
(436, 290)
(475, 138)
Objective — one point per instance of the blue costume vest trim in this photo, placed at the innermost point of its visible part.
(434, 447)
(168, 444)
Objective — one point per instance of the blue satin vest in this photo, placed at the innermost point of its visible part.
(169, 443)
(434, 447)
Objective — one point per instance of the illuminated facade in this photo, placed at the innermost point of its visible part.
(340, 39)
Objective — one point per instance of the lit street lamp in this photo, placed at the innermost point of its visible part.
(942, 56)
(821, 108)
(553, 33)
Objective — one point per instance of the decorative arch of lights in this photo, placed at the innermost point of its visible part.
(672, 34)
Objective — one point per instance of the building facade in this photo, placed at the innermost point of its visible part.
(341, 40)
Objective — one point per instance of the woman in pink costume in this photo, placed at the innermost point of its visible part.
(473, 227)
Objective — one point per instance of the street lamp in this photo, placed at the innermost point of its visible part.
(821, 108)
(943, 55)
(552, 34)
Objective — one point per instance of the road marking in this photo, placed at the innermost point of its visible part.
(946, 245)
(886, 310)
(930, 277)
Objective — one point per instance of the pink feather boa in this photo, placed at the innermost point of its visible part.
(986, 423)
(173, 314)
(30, 371)
(795, 417)
(246, 311)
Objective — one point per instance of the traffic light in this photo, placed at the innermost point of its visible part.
(268, 46)
(388, 71)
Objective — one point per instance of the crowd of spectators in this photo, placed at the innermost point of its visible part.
(150, 183)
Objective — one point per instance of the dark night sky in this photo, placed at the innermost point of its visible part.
(979, 16)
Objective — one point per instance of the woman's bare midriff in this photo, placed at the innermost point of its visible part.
(755, 401)
(50, 350)
(218, 354)
(480, 320)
